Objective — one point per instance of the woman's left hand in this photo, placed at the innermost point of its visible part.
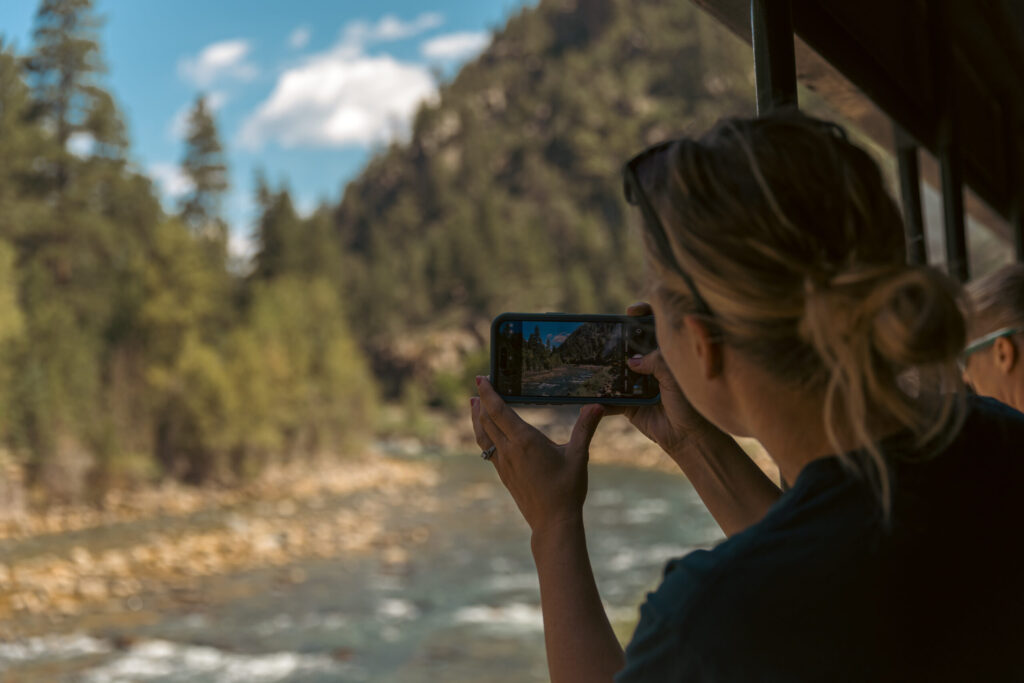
(548, 481)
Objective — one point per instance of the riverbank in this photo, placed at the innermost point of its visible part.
(64, 564)
(457, 601)
(616, 442)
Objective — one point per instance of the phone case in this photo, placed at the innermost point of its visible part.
(563, 400)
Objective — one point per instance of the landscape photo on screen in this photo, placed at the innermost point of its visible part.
(577, 359)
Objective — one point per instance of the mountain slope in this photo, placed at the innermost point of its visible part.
(508, 195)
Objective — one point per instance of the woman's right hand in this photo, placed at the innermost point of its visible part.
(672, 422)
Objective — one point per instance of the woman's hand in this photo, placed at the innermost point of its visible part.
(548, 481)
(673, 422)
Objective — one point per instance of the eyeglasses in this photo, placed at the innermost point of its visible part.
(635, 196)
(984, 342)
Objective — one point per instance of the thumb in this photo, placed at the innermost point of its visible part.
(583, 430)
(651, 364)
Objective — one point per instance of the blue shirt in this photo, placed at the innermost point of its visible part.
(821, 590)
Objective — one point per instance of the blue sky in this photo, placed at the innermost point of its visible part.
(305, 90)
(553, 333)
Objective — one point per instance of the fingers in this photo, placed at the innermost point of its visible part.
(652, 364)
(640, 308)
(645, 365)
(487, 435)
(503, 416)
(482, 440)
(583, 430)
(504, 458)
(493, 433)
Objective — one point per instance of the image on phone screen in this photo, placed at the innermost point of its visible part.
(574, 359)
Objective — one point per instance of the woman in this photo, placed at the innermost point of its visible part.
(991, 362)
(785, 312)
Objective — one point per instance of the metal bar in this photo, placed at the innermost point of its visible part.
(771, 30)
(953, 214)
(1017, 224)
(910, 193)
(1016, 195)
(950, 165)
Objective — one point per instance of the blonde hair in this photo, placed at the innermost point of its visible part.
(996, 300)
(790, 237)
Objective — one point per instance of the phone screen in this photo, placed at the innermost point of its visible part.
(572, 357)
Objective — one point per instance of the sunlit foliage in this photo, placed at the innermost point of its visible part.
(128, 347)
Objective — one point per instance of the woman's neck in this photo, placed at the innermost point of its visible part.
(788, 422)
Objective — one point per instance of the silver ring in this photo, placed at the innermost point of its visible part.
(486, 455)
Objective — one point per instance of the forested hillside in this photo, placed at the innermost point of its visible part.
(132, 348)
(508, 196)
(129, 350)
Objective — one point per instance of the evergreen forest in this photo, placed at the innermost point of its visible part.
(134, 347)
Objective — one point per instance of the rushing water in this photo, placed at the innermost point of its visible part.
(462, 606)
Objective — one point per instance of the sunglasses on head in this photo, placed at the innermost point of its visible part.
(635, 196)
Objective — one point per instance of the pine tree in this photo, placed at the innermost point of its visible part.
(21, 142)
(278, 233)
(64, 65)
(287, 244)
(205, 166)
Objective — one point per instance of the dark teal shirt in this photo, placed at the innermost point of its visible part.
(822, 590)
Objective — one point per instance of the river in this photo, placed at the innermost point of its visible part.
(462, 605)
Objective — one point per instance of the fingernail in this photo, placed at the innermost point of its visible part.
(472, 402)
(635, 360)
(478, 378)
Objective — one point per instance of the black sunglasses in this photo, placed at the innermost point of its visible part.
(635, 196)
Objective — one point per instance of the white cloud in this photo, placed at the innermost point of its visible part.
(216, 99)
(336, 100)
(299, 38)
(171, 179)
(216, 62)
(344, 96)
(456, 45)
(358, 34)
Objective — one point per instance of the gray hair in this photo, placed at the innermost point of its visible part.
(996, 300)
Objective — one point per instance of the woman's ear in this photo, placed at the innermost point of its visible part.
(706, 348)
(1006, 355)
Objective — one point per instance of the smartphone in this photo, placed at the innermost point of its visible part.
(557, 358)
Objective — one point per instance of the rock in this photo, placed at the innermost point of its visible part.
(124, 641)
(343, 654)
(81, 557)
(123, 588)
(115, 562)
(32, 603)
(395, 555)
(92, 588)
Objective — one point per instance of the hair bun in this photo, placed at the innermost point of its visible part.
(903, 315)
(915, 318)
